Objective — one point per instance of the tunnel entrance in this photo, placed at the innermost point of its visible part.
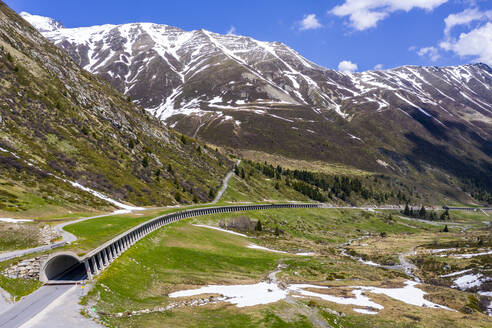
(63, 267)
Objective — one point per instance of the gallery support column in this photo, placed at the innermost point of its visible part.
(88, 270)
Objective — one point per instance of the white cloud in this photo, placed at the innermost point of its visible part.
(431, 52)
(464, 18)
(364, 14)
(378, 67)
(310, 22)
(476, 43)
(347, 66)
(232, 30)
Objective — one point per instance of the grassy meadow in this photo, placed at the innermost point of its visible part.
(184, 256)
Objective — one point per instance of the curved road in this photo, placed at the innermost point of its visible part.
(68, 238)
(224, 184)
(16, 315)
(33, 304)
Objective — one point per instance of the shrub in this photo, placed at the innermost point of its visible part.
(145, 161)
(258, 226)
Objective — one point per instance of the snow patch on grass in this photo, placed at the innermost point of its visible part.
(104, 197)
(469, 281)
(467, 256)
(253, 246)
(223, 230)
(442, 250)
(409, 294)
(364, 311)
(358, 300)
(9, 220)
(306, 254)
(240, 295)
(455, 273)
(270, 292)
(371, 263)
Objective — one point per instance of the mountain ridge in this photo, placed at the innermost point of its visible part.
(238, 92)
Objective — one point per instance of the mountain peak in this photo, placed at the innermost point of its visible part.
(41, 23)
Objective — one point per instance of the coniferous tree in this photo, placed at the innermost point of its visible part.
(258, 226)
(432, 216)
(406, 211)
(422, 212)
(445, 215)
(445, 228)
(145, 161)
(279, 169)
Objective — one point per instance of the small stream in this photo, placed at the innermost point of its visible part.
(404, 265)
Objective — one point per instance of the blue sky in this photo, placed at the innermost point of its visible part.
(344, 34)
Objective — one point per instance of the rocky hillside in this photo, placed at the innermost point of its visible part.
(239, 92)
(62, 129)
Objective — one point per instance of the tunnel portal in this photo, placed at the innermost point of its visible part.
(63, 267)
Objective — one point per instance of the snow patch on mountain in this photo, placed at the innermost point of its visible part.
(41, 23)
(172, 72)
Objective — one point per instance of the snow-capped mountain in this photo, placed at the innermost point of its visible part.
(158, 65)
(237, 91)
(42, 24)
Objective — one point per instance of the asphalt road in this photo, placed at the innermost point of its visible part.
(64, 312)
(31, 305)
(224, 184)
(67, 238)
(38, 301)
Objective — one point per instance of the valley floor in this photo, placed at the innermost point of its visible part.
(326, 267)
(162, 281)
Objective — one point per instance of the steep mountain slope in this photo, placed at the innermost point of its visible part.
(239, 92)
(60, 124)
